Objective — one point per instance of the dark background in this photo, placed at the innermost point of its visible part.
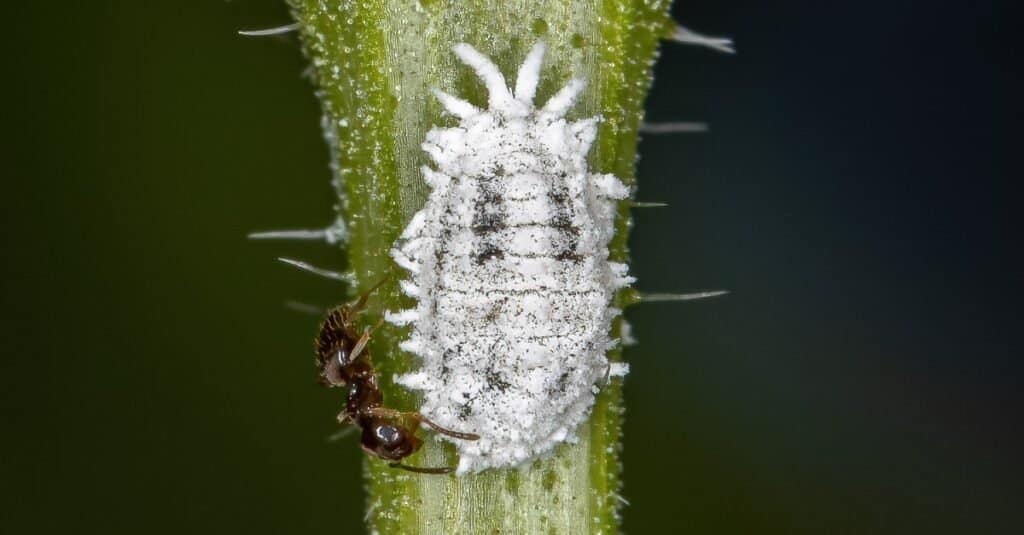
(854, 193)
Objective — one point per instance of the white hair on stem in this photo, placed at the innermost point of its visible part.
(336, 233)
(664, 297)
(676, 127)
(278, 30)
(689, 37)
(325, 273)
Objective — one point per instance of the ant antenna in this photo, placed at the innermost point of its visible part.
(449, 432)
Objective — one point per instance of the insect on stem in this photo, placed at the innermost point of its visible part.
(343, 358)
(527, 275)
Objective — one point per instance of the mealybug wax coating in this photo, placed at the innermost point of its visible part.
(344, 360)
(508, 261)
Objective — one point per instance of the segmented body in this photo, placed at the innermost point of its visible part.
(508, 261)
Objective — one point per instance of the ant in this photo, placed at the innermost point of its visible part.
(344, 360)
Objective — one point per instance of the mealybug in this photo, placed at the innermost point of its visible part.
(508, 261)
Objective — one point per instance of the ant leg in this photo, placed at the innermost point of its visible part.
(381, 412)
(418, 470)
(358, 306)
(363, 340)
(342, 433)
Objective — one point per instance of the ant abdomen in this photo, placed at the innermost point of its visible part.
(389, 442)
(334, 344)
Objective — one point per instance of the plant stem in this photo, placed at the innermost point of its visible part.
(375, 63)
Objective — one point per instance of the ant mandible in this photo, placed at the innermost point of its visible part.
(344, 360)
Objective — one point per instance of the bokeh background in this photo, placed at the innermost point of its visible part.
(854, 193)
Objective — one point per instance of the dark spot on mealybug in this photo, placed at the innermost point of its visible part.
(561, 383)
(495, 381)
(487, 252)
(568, 256)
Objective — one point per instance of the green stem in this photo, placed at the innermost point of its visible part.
(375, 64)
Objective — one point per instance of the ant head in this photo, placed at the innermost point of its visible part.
(389, 441)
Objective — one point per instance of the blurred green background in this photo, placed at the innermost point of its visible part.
(854, 194)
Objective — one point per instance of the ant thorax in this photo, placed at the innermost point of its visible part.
(508, 261)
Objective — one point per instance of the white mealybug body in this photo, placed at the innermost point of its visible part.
(508, 261)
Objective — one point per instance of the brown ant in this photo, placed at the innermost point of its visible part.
(344, 360)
